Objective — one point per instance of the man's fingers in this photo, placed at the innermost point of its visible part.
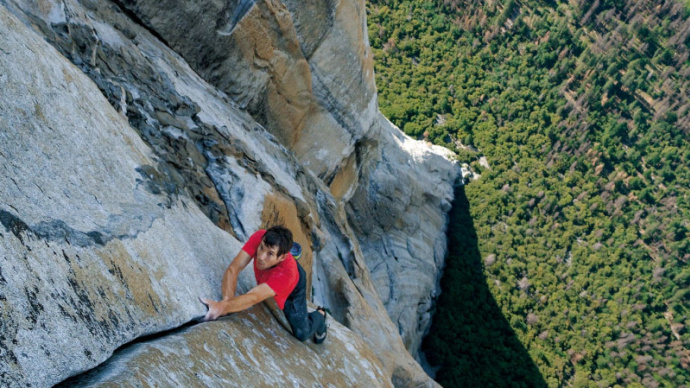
(210, 316)
(211, 305)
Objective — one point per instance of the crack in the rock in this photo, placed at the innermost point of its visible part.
(82, 377)
(121, 4)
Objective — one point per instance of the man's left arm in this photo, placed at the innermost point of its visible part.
(237, 303)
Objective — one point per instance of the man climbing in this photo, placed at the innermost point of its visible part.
(278, 275)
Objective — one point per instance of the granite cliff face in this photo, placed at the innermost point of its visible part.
(397, 211)
(304, 70)
(140, 145)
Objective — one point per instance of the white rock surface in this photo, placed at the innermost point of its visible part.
(398, 213)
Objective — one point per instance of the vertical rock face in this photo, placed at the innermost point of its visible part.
(397, 211)
(133, 172)
(305, 71)
(406, 232)
(333, 37)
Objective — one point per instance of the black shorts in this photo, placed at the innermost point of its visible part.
(303, 324)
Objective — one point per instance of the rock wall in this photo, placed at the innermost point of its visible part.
(316, 55)
(302, 69)
(93, 252)
(129, 182)
(397, 211)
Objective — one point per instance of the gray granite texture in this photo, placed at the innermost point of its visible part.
(134, 167)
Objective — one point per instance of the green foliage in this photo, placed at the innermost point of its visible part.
(584, 213)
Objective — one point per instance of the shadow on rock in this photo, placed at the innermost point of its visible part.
(470, 339)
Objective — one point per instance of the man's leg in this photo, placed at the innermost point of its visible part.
(303, 324)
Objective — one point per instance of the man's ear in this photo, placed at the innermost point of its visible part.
(282, 257)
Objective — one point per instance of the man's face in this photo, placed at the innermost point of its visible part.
(267, 256)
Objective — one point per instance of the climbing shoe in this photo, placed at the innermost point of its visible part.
(322, 330)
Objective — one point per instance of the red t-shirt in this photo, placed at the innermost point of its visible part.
(282, 278)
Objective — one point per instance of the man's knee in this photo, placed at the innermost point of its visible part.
(300, 334)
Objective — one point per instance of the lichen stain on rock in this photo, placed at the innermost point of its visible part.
(134, 277)
(67, 76)
(89, 307)
(8, 332)
(38, 112)
(280, 210)
(35, 308)
(13, 224)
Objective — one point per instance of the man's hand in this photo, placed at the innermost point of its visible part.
(215, 309)
(238, 303)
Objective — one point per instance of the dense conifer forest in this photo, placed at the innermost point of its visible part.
(568, 257)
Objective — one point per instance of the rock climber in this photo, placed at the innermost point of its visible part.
(278, 275)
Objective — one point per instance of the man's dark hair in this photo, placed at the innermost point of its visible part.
(279, 236)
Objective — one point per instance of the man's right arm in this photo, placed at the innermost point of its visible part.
(230, 277)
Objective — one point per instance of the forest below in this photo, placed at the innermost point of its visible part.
(576, 116)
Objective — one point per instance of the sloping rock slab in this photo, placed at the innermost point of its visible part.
(248, 349)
